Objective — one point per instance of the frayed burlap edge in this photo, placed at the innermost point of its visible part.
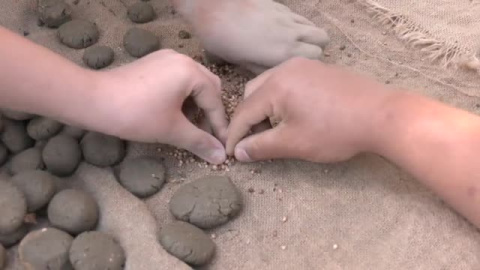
(449, 54)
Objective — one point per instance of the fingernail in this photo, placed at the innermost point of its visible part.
(218, 156)
(242, 155)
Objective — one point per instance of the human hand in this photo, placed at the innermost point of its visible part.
(325, 114)
(255, 34)
(142, 101)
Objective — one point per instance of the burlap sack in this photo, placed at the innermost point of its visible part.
(360, 214)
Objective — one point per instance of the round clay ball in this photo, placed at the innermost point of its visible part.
(54, 13)
(42, 128)
(207, 202)
(15, 115)
(142, 176)
(13, 207)
(78, 34)
(102, 150)
(38, 187)
(3, 257)
(45, 249)
(73, 211)
(15, 136)
(139, 42)
(11, 239)
(27, 160)
(98, 57)
(141, 12)
(187, 242)
(3, 154)
(73, 132)
(96, 251)
(62, 155)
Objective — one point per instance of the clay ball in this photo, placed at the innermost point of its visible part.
(10, 239)
(3, 255)
(96, 251)
(139, 42)
(73, 132)
(102, 150)
(13, 207)
(141, 12)
(142, 176)
(45, 249)
(38, 187)
(27, 160)
(15, 137)
(187, 242)
(54, 13)
(98, 57)
(73, 211)
(78, 34)
(3, 154)
(42, 128)
(207, 202)
(62, 155)
(15, 115)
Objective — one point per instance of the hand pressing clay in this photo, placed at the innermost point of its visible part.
(78, 34)
(73, 211)
(30, 159)
(187, 242)
(42, 128)
(142, 176)
(139, 42)
(3, 154)
(62, 155)
(15, 136)
(3, 255)
(14, 115)
(207, 202)
(45, 249)
(98, 57)
(38, 187)
(96, 251)
(54, 13)
(13, 207)
(141, 12)
(11, 239)
(73, 132)
(102, 150)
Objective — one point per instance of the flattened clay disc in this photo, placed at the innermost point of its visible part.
(102, 150)
(14, 115)
(15, 136)
(187, 242)
(10, 239)
(139, 42)
(207, 202)
(62, 155)
(42, 128)
(78, 34)
(45, 249)
(73, 132)
(142, 176)
(13, 207)
(27, 160)
(98, 57)
(73, 211)
(54, 13)
(141, 12)
(38, 187)
(96, 251)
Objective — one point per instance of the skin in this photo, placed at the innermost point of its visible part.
(149, 108)
(327, 114)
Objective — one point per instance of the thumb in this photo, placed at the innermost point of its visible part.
(189, 137)
(270, 144)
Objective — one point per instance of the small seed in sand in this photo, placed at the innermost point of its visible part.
(283, 247)
(213, 236)
(335, 246)
(284, 219)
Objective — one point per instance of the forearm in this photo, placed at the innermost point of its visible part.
(36, 80)
(439, 145)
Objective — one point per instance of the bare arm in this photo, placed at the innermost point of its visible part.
(327, 114)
